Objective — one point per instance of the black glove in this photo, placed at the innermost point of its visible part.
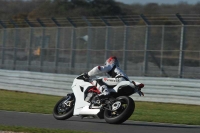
(86, 77)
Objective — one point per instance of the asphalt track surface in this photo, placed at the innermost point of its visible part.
(93, 125)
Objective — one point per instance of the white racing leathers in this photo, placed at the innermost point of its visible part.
(116, 74)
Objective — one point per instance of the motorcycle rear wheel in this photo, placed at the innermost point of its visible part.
(122, 109)
(64, 108)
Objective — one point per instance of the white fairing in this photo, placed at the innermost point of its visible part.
(122, 83)
(81, 106)
(137, 83)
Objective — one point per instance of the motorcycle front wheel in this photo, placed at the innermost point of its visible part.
(64, 108)
(121, 110)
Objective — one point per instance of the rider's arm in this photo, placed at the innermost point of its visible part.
(99, 69)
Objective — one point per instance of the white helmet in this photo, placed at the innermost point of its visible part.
(112, 61)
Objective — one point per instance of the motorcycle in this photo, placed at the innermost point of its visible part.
(115, 108)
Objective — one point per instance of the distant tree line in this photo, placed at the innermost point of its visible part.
(76, 8)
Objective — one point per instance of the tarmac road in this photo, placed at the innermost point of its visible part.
(94, 125)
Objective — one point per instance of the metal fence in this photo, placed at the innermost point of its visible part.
(143, 50)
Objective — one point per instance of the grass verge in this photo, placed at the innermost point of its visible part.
(19, 129)
(144, 111)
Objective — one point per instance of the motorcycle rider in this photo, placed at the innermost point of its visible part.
(111, 67)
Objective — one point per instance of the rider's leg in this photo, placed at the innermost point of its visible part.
(112, 81)
(102, 87)
(103, 84)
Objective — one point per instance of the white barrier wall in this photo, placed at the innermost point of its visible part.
(167, 90)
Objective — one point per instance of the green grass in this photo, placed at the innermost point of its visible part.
(36, 130)
(167, 113)
(27, 102)
(144, 111)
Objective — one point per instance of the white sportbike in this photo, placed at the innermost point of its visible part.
(114, 108)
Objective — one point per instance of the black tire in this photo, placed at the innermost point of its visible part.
(121, 114)
(62, 111)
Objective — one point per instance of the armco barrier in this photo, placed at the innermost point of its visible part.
(167, 90)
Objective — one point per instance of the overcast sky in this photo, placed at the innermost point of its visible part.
(158, 1)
